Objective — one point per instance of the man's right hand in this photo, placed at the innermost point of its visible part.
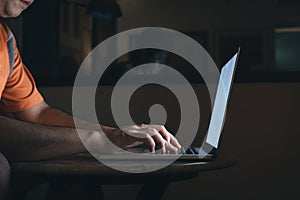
(153, 136)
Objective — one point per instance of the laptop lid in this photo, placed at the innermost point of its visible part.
(220, 104)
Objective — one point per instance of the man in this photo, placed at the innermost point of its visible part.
(42, 132)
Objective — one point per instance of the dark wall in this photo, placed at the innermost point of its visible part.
(40, 41)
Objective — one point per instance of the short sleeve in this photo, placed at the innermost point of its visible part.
(20, 92)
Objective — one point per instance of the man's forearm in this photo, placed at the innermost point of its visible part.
(97, 139)
(46, 115)
(26, 141)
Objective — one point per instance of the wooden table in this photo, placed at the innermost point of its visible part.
(90, 174)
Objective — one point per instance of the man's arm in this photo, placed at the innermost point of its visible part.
(45, 115)
(152, 135)
(26, 141)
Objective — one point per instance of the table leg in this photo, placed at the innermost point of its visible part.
(152, 191)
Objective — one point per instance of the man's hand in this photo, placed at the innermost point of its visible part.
(154, 136)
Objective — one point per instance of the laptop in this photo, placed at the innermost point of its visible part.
(207, 151)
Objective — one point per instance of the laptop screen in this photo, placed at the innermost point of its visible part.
(219, 109)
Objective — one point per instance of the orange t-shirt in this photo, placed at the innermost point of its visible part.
(18, 91)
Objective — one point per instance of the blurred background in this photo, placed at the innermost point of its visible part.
(262, 125)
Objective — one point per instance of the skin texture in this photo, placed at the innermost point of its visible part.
(13, 8)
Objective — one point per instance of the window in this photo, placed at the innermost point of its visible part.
(287, 48)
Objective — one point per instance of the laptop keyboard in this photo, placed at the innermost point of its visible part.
(191, 150)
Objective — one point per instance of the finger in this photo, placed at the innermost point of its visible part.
(158, 139)
(136, 133)
(167, 135)
(162, 130)
(151, 143)
(174, 141)
(145, 138)
(163, 143)
(172, 148)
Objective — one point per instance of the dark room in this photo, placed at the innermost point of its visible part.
(127, 99)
